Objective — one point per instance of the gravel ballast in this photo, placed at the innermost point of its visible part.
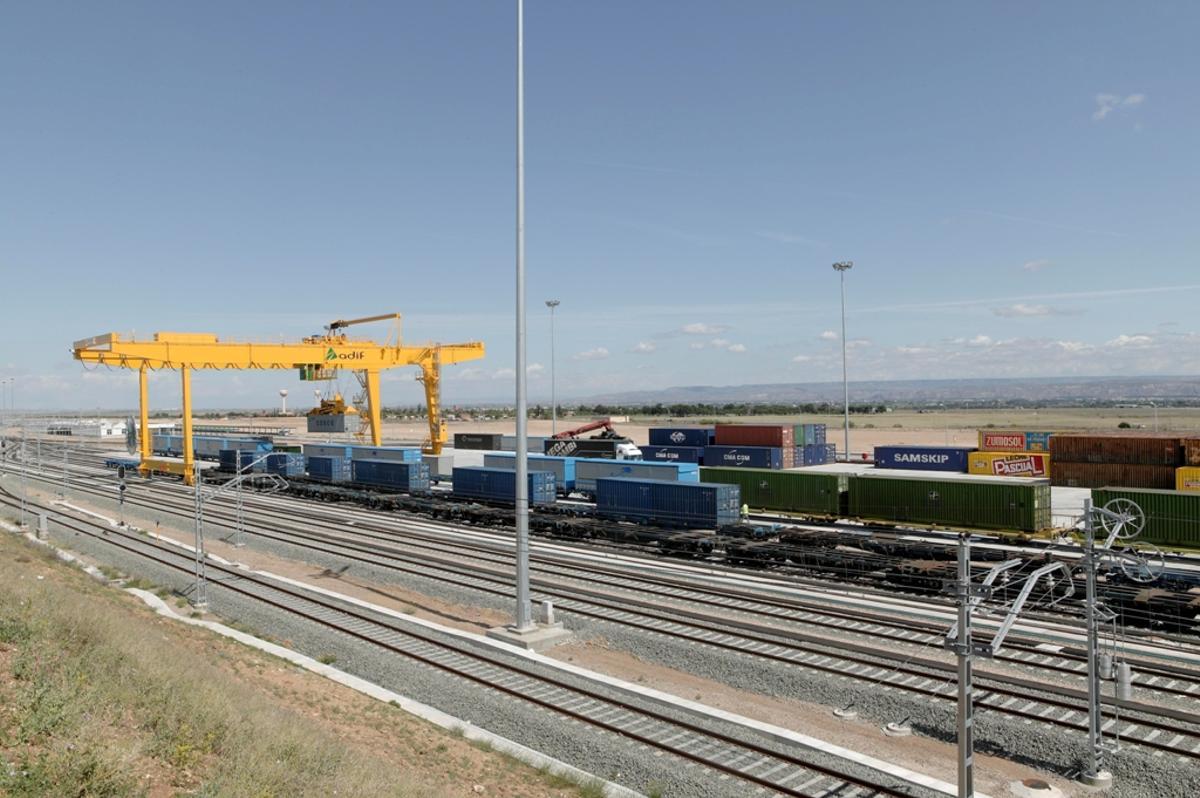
(1138, 772)
(605, 754)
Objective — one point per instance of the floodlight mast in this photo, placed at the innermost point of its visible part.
(523, 620)
(841, 267)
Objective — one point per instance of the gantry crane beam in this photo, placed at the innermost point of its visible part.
(186, 352)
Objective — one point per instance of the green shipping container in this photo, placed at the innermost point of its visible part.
(1004, 504)
(789, 491)
(1172, 516)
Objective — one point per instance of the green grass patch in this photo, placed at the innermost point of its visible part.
(94, 698)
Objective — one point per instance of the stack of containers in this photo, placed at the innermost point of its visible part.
(396, 474)
(285, 464)
(1187, 477)
(588, 471)
(696, 505)
(563, 468)
(811, 454)
(1008, 440)
(328, 469)
(319, 457)
(923, 458)
(811, 448)
(752, 445)
(809, 434)
(500, 485)
(1130, 461)
(1011, 453)
(395, 454)
(678, 444)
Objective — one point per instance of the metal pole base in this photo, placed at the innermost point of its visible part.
(1100, 780)
(200, 606)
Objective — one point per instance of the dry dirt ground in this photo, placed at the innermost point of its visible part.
(936, 427)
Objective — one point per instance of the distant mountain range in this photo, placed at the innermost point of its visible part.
(1048, 390)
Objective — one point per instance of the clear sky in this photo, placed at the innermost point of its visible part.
(1018, 186)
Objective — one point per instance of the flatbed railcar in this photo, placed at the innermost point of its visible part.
(873, 561)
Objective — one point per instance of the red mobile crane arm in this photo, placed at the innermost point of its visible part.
(604, 424)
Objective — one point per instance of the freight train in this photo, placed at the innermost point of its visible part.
(708, 513)
(1006, 505)
(702, 518)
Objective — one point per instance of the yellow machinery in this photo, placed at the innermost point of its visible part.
(316, 357)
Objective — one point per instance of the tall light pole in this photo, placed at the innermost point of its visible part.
(841, 268)
(524, 612)
(552, 304)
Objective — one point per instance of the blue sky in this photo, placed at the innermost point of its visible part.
(1017, 185)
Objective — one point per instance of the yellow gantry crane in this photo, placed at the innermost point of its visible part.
(317, 357)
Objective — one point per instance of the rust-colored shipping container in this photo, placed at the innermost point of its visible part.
(1139, 449)
(776, 435)
(1125, 475)
(1191, 451)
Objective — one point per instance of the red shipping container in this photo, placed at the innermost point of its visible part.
(1100, 475)
(1191, 451)
(1139, 449)
(775, 435)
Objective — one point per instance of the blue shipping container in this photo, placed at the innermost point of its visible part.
(286, 464)
(681, 436)
(563, 468)
(326, 450)
(674, 454)
(923, 458)
(809, 434)
(588, 470)
(500, 485)
(815, 454)
(235, 459)
(695, 505)
(329, 469)
(411, 477)
(743, 456)
(394, 454)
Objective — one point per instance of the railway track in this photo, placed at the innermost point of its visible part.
(692, 740)
(1159, 636)
(432, 537)
(1162, 729)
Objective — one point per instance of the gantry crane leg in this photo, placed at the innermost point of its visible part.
(373, 409)
(144, 443)
(431, 375)
(188, 453)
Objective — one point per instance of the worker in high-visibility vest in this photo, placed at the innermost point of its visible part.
(745, 511)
